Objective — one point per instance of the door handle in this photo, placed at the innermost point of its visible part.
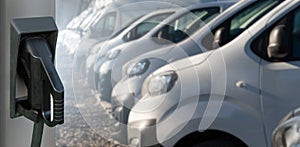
(241, 84)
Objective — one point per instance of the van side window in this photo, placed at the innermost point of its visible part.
(105, 26)
(288, 43)
(239, 22)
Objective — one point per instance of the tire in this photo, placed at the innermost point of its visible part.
(218, 143)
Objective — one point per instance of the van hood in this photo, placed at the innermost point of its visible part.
(86, 44)
(139, 46)
(172, 52)
(182, 64)
(156, 53)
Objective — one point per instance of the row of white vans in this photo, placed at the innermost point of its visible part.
(213, 74)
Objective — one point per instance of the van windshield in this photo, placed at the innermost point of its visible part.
(145, 26)
(124, 28)
(185, 25)
(75, 22)
(250, 15)
(238, 23)
(105, 26)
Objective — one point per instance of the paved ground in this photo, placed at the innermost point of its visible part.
(76, 131)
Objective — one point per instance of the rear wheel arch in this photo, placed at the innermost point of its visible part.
(211, 136)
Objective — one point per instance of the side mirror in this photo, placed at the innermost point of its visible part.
(128, 36)
(92, 29)
(162, 36)
(92, 32)
(179, 36)
(163, 33)
(220, 37)
(278, 47)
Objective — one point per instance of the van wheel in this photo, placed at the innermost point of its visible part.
(218, 143)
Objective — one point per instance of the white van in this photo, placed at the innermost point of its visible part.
(128, 90)
(133, 31)
(109, 19)
(232, 96)
(175, 29)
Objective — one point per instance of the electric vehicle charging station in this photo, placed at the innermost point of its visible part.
(17, 132)
(33, 42)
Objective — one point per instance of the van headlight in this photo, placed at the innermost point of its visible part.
(113, 54)
(138, 68)
(287, 134)
(161, 83)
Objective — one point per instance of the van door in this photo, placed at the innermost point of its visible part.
(280, 70)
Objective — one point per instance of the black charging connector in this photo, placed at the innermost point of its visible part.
(32, 59)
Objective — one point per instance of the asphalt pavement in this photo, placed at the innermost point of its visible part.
(84, 126)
